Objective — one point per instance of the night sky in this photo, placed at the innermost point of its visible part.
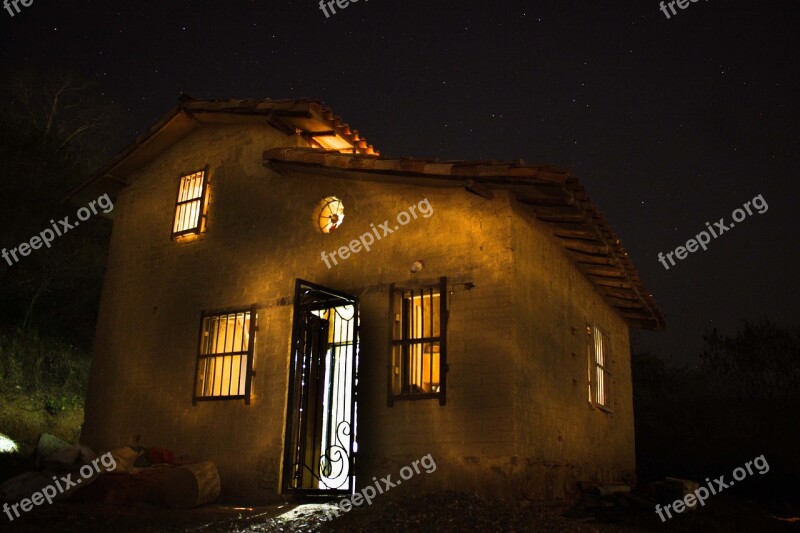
(668, 123)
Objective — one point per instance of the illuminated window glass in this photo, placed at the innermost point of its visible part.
(330, 214)
(225, 356)
(599, 376)
(190, 206)
(418, 360)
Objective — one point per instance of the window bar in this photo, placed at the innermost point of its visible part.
(419, 357)
(391, 365)
(209, 370)
(190, 198)
(212, 349)
(232, 350)
(183, 206)
(335, 352)
(430, 353)
(199, 385)
(243, 350)
(236, 354)
(412, 344)
(250, 354)
(210, 336)
(412, 334)
(594, 365)
(240, 371)
(202, 203)
(403, 330)
(197, 361)
(343, 363)
(442, 340)
(179, 221)
(217, 351)
(191, 208)
(247, 319)
(405, 324)
(184, 210)
(230, 368)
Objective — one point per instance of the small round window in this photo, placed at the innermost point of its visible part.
(331, 214)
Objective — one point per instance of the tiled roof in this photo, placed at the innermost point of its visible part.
(554, 195)
(306, 117)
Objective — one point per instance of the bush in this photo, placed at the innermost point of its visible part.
(47, 368)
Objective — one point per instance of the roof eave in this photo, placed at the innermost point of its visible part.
(306, 117)
(556, 198)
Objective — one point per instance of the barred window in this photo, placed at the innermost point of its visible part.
(191, 204)
(599, 376)
(418, 366)
(225, 356)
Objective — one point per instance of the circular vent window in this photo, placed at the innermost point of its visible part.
(330, 214)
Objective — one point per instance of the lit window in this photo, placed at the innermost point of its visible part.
(333, 142)
(330, 214)
(191, 204)
(418, 365)
(225, 356)
(599, 376)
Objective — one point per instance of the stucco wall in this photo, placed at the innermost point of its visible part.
(562, 437)
(260, 238)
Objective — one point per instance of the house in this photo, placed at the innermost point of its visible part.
(309, 315)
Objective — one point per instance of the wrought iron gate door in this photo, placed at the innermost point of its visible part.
(321, 414)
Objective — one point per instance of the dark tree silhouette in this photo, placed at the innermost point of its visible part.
(740, 402)
(53, 132)
(762, 360)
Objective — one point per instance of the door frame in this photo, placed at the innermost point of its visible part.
(322, 298)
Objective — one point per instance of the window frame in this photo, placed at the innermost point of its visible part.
(198, 226)
(250, 354)
(441, 286)
(594, 366)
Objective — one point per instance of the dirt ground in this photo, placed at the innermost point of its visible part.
(440, 512)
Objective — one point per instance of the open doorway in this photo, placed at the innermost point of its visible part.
(321, 416)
